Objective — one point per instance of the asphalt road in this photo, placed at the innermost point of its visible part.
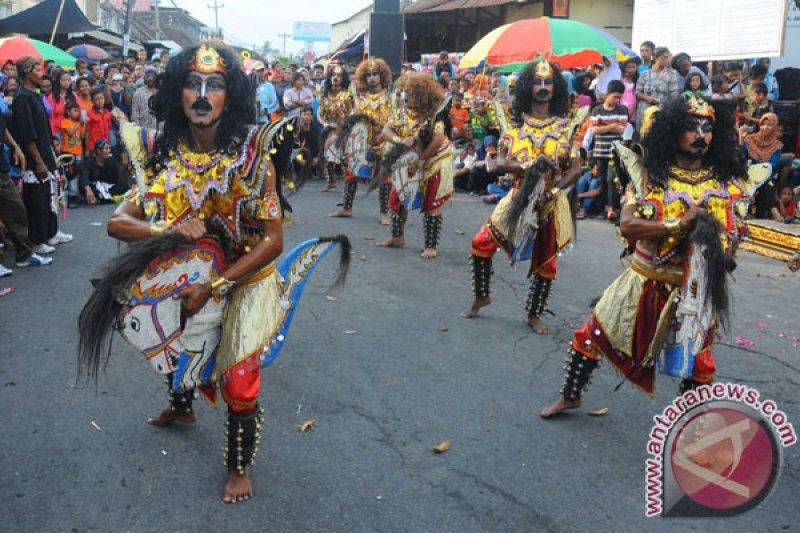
(385, 385)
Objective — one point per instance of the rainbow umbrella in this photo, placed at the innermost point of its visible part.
(15, 47)
(569, 43)
(87, 52)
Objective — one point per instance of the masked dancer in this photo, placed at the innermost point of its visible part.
(417, 127)
(684, 215)
(372, 104)
(538, 150)
(335, 106)
(208, 178)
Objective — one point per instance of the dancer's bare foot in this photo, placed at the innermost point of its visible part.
(384, 218)
(342, 213)
(560, 406)
(537, 325)
(170, 416)
(480, 301)
(329, 186)
(394, 242)
(428, 253)
(238, 488)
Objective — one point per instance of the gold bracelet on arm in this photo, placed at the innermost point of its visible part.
(221, 286)
(673, 227)
(156, 230)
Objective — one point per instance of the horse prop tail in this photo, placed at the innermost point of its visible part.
(295, 268)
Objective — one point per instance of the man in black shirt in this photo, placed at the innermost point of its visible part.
(102, 177)
(31, 127)
(12, 211)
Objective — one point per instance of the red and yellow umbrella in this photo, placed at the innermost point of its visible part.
(570, 43)
(15, 47)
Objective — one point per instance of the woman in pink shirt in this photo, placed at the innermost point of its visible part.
(628, 99)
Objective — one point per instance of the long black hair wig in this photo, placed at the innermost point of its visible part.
(523, 94)
(673, 119)
(167, 103)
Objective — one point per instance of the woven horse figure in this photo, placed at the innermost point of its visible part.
(137, 297)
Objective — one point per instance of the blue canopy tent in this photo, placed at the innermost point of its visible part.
(48, 18)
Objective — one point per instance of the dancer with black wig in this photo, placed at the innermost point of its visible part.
(534, 220)
(335, 106)
(209, 173)
(684, 215)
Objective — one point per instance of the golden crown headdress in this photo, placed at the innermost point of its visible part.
(699, 106)
(208, 61)
(543, 69)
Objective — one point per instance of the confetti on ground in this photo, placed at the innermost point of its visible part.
(97, 224)
(378, 497)
(350, 332)
(163, 452)
(458, 231)
(745, 342)
(331, 298)
(98, 428)
(368, 238)
(363, 257)
(443, 328)
(763, 325)
(6, 290)
(311, 423)
(599, 412)
(442, 446)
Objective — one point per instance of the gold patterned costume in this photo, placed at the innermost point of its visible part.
(630, 320)
(232, 192)
(551, 138)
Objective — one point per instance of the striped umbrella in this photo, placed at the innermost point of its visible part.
(87, 52)
(569, 43)
(15, 47)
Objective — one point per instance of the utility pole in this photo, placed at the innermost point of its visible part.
(126, 31)
(284, 36)
(158, 18)
(216, 7)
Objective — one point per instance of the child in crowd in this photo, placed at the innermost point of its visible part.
(463, 161)
(72, 143)
(99, 122)
(695, 83)
(458, 115)
(785, 209)
(589, 187)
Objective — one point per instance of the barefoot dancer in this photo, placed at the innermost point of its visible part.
(415, 126)
(541, 128)
(684, 215)
(209, 175)
(335, 106)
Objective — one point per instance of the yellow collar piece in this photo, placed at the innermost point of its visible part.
(208, 61)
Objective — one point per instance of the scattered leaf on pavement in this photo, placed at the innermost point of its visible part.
(311, 423)
(442, 446)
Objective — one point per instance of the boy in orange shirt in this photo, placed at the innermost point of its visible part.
(458, 115)
(72, 143)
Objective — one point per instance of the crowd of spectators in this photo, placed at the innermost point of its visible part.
(61, 129)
